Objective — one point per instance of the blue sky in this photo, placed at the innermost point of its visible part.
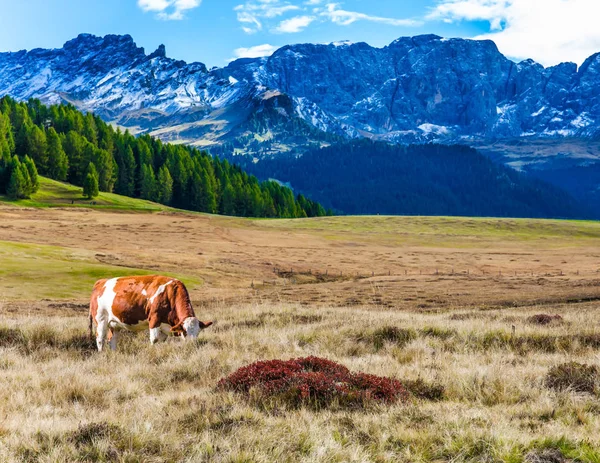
(214, 31)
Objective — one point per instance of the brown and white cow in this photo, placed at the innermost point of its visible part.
(160, 304)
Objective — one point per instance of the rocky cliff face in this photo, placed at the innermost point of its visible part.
(416, 89)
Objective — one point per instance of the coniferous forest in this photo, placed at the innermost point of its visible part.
(365, 177)
(64, 144)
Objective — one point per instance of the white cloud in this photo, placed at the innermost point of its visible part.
(296, 24)
(549, 31)
(169, 9)
(345, 18)
(255, 52)
(253, 12)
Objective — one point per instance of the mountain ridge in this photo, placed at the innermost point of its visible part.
(416, 89)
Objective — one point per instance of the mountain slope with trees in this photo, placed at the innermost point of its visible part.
(364, 177)
(64, 144)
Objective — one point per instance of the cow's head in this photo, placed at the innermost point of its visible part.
(190, 327)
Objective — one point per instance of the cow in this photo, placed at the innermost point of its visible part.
(158, 303)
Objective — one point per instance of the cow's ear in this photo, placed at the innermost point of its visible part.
(204, 325)
(177, 328)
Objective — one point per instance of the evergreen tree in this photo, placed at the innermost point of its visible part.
(148, 186)
(165, 186)
(58, 163)
(7, 143)
(229, 200)
(33, 173)
(73, 145)
(90, 184)
(37, 148)
(19, 185)
(127, 169)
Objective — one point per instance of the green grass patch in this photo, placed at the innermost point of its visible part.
(59, 194)
(30, 272)
(441, 231)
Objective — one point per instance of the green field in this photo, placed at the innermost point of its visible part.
(29, 271)
(58, 194)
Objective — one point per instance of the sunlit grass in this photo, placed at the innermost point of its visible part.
(62, 401)
(59, 194)
(33, 272)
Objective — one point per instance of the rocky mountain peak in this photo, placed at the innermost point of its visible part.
(416, 89)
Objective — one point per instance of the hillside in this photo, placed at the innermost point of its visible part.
(59, 194)
(363, 177)
(64, 144)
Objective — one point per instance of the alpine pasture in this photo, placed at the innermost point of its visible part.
(452, 304)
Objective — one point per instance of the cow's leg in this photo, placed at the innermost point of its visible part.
(113, 339)
(155, 331)
(101, 333)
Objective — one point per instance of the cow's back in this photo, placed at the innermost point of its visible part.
(129, 301)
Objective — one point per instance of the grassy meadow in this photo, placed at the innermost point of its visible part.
(63, 402)
(59, 194)
(383, 309)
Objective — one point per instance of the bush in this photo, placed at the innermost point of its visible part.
(544, 319)
(573, 376)
(392, 334)
(423, 390)
(312, 381)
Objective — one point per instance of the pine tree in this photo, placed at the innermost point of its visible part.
(27, 183)
(58, 163)
(33, 173)
(148, 186)
(19, 185)
(89, 129)
(73, 145)
(229, 200)
(90, 184)
(104, 162)
(165, 186)
(16, 188)
(127, 173)
(207, 196)
(7, 143)
(37, 148)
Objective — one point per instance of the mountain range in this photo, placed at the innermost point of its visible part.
(545, 121)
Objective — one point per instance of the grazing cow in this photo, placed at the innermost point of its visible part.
(160, 304)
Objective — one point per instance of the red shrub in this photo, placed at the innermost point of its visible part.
(313, 381)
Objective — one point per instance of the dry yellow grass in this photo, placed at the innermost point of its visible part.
(63, 402)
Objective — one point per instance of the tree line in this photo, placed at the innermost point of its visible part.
(64, 144)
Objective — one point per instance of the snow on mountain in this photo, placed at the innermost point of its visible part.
(416, 89)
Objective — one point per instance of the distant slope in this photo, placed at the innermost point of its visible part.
(363, 177)
(58, 194)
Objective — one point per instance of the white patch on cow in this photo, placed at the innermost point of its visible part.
(105, 314)
(156, 335)
(191, 325)
(159, 291)
(144, 292)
